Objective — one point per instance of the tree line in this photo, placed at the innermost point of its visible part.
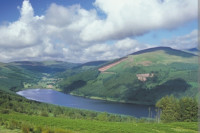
(171, 109)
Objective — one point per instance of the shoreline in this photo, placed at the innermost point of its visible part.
(110, 99)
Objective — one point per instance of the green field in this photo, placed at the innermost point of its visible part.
(93, 126)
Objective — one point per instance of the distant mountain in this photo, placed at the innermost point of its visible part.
(45, 66)
(168, 50)
(192, 49)
(92, 63)
(142, 77)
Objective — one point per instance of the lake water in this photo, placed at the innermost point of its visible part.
(58, 98)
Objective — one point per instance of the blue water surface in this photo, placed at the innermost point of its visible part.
(58, 98)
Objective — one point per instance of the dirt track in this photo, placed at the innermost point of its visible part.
(104, 68)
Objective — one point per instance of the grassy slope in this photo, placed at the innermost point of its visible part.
(15, 76)
(173, 74)
(12, 77)
(5, 130)
(77, 125)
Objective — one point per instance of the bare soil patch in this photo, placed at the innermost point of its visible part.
(104, 68)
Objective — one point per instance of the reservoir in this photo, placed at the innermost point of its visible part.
(58, 98)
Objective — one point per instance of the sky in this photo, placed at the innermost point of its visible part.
(89, 30)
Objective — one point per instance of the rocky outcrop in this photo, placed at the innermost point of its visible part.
(143, 77)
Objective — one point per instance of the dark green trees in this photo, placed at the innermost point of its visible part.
(173, 109)
(169, 107)
(188, 109)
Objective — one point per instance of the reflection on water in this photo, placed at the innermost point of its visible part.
(58, 98)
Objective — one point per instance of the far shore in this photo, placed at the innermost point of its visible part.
(109, 99)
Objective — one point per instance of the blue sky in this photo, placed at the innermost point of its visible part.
(86, 30)
(155, 37)
(9, 8)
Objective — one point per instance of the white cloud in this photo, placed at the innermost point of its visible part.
(136, 17)
(78, 35)
(183, 42)
(119, 49)
(26, 12)
(23, 33)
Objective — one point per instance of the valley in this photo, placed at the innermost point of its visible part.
(151, 73)
(99, 66)
(46, 82)
(141, 78)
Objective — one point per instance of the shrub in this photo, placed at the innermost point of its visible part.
(5, 111)
(45, 114)
(173, 109)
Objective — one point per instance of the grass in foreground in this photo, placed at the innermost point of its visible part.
(5, 130)
(18, 114)
(33, 123)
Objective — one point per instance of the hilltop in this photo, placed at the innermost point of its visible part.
(168, 50)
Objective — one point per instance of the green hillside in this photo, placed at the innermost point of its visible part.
(20, 75)
(168, 72)
(174, 73)
(12, 77)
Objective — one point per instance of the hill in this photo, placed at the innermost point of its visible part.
(193, 50)
(12, 77)
(50, 67)
(142, 77)
(92, 63)
(15, 76)
(168, 50)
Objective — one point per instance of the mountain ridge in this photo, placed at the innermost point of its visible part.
(166, 49)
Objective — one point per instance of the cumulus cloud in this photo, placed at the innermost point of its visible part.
(119, 49)
(75, 34)
(137, 17)
(23, 33)
(183, 42)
